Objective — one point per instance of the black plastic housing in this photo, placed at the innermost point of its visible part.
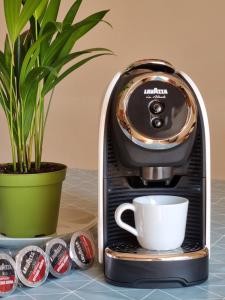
(122, 183)
(156, 274)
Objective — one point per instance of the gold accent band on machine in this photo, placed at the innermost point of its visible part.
(157, 257)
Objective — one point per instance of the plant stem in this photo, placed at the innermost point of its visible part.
(48, 108)
(36, 138)
(23, 139)
(41, 125)
(19, 133)
(12, 140)
(37, 115)
(30, 145)
(44, 121)
(5, 107)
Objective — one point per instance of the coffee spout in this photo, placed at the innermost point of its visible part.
(156, 174)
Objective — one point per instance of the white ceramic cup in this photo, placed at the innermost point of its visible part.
(160, 221)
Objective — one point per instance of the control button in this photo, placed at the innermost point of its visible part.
(156, 107)
(157, 122)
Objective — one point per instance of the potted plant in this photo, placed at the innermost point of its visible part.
(35, 59)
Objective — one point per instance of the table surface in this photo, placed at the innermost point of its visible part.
(80, 189)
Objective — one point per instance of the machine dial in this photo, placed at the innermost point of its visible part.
(157, 123)
(157, 110)
(156, 107)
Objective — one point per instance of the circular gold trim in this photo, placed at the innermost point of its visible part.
(156, 257)
(141, 139)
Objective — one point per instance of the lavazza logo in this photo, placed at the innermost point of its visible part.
(155, 91)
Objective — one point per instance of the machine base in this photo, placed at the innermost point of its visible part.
(166, 272)
(158, 284)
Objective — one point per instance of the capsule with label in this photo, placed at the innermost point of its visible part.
(59, 258)
(8, 276)
(82, 249)
(32, 266)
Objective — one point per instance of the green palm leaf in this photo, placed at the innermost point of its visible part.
(65, 41)
(70, 16)
(33, 63)
(17, 20)
(80, 29)
(26, 13)
(4, 75)
(55, 48)
(36, 75)
(68, 58)
(7, 54)
(29, 109)
(41, 9)
(54, 82)
(31, 56)
(60, 63)
(51, 12)
(12, 11)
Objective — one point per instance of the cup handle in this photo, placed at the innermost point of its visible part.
(120, 209)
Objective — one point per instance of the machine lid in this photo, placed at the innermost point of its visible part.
(150, 63)
(156, 110)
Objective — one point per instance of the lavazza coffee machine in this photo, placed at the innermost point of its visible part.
(154, 139)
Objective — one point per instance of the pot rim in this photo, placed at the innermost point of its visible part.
(35, 179)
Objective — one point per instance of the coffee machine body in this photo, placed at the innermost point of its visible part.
(153, 140)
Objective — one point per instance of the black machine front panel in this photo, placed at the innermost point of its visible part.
(119, 189)
(122, 184)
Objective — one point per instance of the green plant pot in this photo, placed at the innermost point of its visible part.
(29, 203)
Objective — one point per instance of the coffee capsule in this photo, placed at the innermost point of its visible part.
(59, 258)
(8, 276)
(32, 266)
(82, 249)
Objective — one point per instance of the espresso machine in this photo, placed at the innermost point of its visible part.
(153, 140)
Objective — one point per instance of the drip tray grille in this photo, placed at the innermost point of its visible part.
(129, 251)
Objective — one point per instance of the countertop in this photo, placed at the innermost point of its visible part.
(80, 189)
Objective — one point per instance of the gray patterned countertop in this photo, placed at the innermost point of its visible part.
(80, 189)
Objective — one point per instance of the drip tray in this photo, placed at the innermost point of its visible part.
(129, 251)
